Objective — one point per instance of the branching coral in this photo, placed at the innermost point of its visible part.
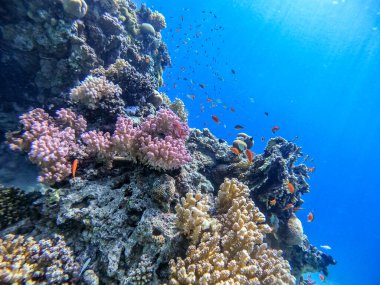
(93, 90)
(162, 141)
(50, 142)
(232, 252)
(159, 141)
(26, 261)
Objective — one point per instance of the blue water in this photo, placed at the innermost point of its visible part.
(314, 66)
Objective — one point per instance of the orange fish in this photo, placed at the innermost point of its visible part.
(322, 277)
(74, 167)
(288, 207)
(215, 118)
(311, 169)
(310, 217)
(235, 150)
(290, 187)
(249, 155)
(232, 109)
(275, 129)
(272, 202)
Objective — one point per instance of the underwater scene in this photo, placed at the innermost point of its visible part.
(189, 142)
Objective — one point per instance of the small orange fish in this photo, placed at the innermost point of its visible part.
(74, 167)
(202, 86)
(288, 207)
(249, 155)
(272, 202)
(290, 187)
(322, 277)
(235, 150)
(215, 118)
(275, 129)
(310, 217)
(232, 109)
(311, 169)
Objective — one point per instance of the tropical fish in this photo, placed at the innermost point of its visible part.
(311, 169)
(249, 155)
(182, 18)
(262, 139)
(84, 267)
(310, 217)
(297, 209)
(238, 127)
(233, 71)
(221, 141)
(275, 129)
(191, 96)
(209, 100)
(175, 86)
(215, 118)
(322, 277)
(290, 187)
(326, 247)
(272, 202)
(312, 159)
(288, 207)
(202, 86)
(306, 158)
(295, 138)
(232, 109)
(235, 150)
(74, 167)
(266, 114)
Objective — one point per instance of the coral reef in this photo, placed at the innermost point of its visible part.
(145, 190)
(27, 261)
(232, 250)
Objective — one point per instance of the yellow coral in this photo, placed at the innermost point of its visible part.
(232, 252)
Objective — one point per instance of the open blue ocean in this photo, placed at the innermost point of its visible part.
(106, 178)
(314, 67)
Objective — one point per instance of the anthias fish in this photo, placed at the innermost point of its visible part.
(275, 129)
(74, 167)
(216, 119)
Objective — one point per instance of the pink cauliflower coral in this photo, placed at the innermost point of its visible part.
(50, 143)
(98, 144)
(161, 141)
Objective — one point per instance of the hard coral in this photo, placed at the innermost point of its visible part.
(162, 141)
(93, 90)
(50, 142)
(26, 261)
(233, 252)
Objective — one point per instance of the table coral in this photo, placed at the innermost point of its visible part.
(25, 260)
(233, 252)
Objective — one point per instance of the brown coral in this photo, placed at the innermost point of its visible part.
(232, 252)
(26, 261)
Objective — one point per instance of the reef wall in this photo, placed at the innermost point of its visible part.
(129, 193)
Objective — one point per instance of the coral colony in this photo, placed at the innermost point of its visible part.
(129, 192)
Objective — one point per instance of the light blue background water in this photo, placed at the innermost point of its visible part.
(314, 65)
